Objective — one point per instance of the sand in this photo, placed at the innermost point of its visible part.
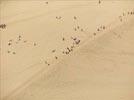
(67, 50)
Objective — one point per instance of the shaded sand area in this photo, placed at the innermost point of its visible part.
(67, 50)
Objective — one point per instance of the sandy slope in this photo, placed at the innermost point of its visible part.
(100, 67)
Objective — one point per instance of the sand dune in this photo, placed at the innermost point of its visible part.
(62, 50)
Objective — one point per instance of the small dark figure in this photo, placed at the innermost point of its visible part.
(9, 44)
(77, 42)
(121, 19)
(45, 62)
(56, 57)
(8, 51)
(46, 2)
(68, 49)
(63, 52)
(53, 51)
(123, 14)
(35, 44)
(19, 39)
(128, 13)
(67, 52)
(94, 34)
(14, 53)
(99, 1)
(104, 27)
(63, 39)
(58, 17)
(75, 17)
(25, 41)
(19, 36)
(82, 30)
(71, 49)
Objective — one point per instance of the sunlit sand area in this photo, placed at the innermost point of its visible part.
(67, 49)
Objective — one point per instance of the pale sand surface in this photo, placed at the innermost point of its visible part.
(100, 67)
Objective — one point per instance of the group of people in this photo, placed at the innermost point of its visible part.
(3, 26)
